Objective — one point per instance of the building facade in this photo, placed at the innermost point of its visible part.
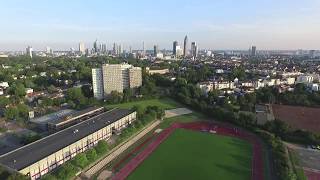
(115, 77)
(39, 158)
(97, 83)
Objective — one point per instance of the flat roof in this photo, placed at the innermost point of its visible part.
(75, 115)
(52, 116)
(31, 153)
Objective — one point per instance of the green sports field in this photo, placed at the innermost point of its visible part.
(195, 155)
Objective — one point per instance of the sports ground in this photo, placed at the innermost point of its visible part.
(197, 150)
(194, 155)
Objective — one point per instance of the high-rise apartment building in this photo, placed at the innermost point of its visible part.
(82, 49)
(115, 77)
(97, 83)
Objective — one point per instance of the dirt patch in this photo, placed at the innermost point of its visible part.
(298, 117)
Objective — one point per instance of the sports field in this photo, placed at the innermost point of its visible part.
(192, 155)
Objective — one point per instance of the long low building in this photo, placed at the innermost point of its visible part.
(44, 155)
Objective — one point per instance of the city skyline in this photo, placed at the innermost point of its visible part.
(270, 25)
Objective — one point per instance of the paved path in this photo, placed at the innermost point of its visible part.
(309, 160)
(118, 150)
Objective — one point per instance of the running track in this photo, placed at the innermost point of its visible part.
(257, 161)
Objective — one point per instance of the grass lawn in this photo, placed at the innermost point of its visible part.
(195, 155)
(181, 119)
(165, 103)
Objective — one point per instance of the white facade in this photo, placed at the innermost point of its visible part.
(115, 77)
(4, 85)
(97, 83)
(290, 81)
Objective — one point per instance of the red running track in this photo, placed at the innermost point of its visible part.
(257, 161)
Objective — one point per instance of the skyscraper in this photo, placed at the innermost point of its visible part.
(253, 51)
(174, 49)
(82, 49)
(29, 51)
(95, 46)
(194, 50)
(143, 49)
(185, 46)
(115, 49)
(155, 50)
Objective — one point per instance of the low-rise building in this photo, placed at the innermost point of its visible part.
(305, 79)
(157, 71)
(40, 157)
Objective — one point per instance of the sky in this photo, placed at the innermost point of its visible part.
(213, 24)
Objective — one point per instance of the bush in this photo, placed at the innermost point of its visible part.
(80, 160)
(102, 147)
(91, 155)
(280, 159)
(67, 171)
(48, 177)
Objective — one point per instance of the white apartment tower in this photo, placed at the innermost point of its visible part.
(97, 83)
(115, 77)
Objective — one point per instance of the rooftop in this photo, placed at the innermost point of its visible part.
(31, 153)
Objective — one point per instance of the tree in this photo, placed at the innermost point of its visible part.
(49, 177)
(66, 171)
(80, 160)
(18, 90)
(115, 97)
(91, 155)
(51, 89)
(11, 113)
(101, 147)
(23, 111)
(87, 91)
(139, 109)
(127, 94)
(4, 102)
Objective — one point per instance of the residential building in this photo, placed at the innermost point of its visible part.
(97, 83)
(305, 79)
(115, 77)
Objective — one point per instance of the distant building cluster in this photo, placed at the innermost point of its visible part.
(115, 77)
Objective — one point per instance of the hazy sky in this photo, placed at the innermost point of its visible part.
(216, 24)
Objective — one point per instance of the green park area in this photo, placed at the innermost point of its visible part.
(164, 103)
(194, 155)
